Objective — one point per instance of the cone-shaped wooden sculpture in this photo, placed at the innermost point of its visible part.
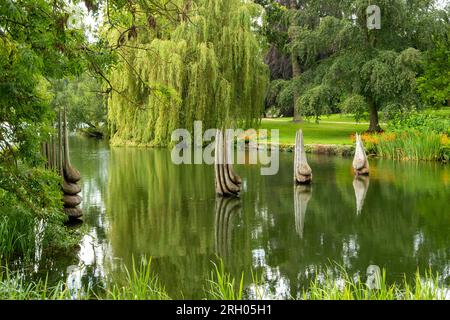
(58, 158)
(226, 210)
(71, 174)
(302, 195)
(302, 170)
(228, 183)
(71, 177)
(360, 163)
(361, 185)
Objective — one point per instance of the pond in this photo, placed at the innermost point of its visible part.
(136, 202)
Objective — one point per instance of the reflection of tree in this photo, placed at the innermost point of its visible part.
(302, 195)
(386, 235)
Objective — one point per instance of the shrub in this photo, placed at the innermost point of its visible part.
(419, 121)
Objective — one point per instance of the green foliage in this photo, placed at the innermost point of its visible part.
(140, 284)
(222, 286)
(17, 234)
(421, 121)
(208, 68)
(14, 287)
(411, 145)
(434, 84)
(368, 70)
(354, 104)
(83, 98)
(29, 198)
(316, 101)
(346, 287)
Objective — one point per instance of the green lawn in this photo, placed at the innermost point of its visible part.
(322, 133)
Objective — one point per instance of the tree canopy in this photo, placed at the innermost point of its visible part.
(347, 67)
(208, 66)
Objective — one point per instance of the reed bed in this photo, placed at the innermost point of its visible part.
(140, 283)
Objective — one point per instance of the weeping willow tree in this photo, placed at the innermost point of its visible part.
(209, 67)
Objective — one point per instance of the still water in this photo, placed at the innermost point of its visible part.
(136, 202)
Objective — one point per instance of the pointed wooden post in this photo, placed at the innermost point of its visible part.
(360, 163)
(228, 183)
(302, 170)
(71, 176)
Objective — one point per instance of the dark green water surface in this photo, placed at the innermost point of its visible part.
(136, 202)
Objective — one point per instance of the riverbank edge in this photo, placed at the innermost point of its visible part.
(343, 150)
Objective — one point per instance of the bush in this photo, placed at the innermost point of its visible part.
(428, 121)
(31, 213)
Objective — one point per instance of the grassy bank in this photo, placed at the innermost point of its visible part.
(327, 133)
(140, 283)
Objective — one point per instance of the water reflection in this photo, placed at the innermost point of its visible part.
(227, 208)
(136, 202)
(302, 196)
(361, 185)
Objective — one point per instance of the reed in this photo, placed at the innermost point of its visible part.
(222, 285)
(17, 234)
(140, 283)
(14, 287)
(409, 145)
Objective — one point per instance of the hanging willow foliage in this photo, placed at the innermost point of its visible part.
(209, 68)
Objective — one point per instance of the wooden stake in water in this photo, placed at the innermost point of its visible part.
(302, 170)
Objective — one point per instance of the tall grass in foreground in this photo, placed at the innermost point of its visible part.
(14, 287)
(223, 286)
(140, 283)
(346, 288)
(17, 235)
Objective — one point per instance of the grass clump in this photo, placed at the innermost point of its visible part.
(140, 283)
(223, 286)
(14, 287)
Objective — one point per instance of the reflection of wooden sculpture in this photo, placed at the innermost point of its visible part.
(226, 210)
(360, 163)
(228, 183)
(374, 277)
(361, 185)
(302, 195)
(58, 158)
(302, 171)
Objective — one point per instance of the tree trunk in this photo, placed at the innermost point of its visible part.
(374, 121)
(296, 70)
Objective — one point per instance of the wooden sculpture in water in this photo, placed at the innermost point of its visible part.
(302, 170)
(228, 183)
(58, 159)
(360, 163)
(71, 176)
(302, 195)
